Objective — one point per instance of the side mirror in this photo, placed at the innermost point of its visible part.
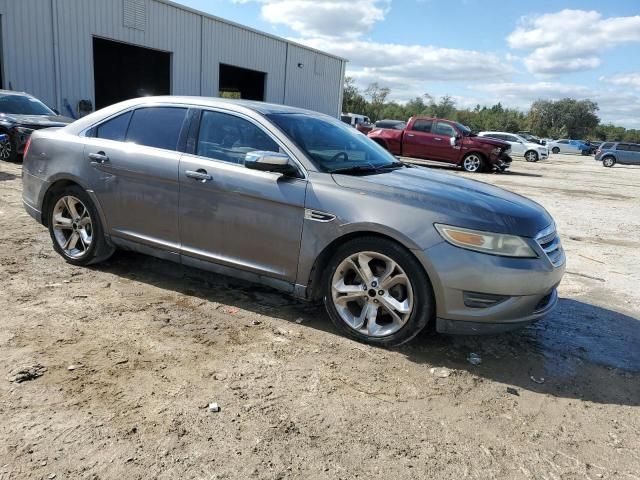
(55, 110)
(454, 140)
(270, 162)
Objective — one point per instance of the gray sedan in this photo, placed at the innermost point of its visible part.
(298, 201)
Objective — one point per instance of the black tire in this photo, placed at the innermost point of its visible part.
(98, 250)
(423, 311)
(8, 149)
(467, 166)
(555, 150)
(608, 161)
(531, 156)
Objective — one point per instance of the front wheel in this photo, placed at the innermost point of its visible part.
(75, 228)
(531, 156)
(608, 162)
(377, 292)
(8, 149)
(473, 163)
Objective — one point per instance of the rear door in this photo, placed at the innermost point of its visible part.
(136, 157)
(634, 154)
(233, 216)
(418, 142)
(625, 153)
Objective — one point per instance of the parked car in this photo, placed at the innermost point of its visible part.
(604, 146)
(444, 141)
(298, 201)
(619, 152)
(520, 147)
(20, 115)
(359, 122)
(568, 146)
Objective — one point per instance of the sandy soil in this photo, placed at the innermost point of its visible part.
(150, 344)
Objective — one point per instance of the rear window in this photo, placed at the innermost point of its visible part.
(422, 126)
(606, 146)
(157, 127)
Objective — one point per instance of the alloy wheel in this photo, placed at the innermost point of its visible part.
(72, 226)
(372, 294)
(608, 162)
(5, 149)
(532, 156)
(472, 163)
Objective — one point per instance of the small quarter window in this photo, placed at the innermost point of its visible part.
(114, 129)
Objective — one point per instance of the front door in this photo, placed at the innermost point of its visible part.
(233, 216)
(135, 158)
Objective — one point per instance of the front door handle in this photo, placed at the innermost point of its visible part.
(201, 175)
(438, 139)
(98, 158)
(410, 135)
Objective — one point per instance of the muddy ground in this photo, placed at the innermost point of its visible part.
(151, 344)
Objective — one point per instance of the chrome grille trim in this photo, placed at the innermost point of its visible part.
(549, 241)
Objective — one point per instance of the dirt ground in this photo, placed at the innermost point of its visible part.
(150, 344)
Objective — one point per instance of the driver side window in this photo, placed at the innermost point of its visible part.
(229, 138)
(443, 128)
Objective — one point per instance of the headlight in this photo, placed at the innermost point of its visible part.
(486, 242)
(23, 130)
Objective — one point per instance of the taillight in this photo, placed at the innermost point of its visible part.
(26, 148)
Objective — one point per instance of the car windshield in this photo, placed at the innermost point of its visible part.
(332, 145)
(23, 105)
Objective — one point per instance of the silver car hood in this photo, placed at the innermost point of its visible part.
(455, 200)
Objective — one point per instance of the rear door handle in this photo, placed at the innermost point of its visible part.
(438, 138)
(99, 158)
(410, 135)
(200, 175)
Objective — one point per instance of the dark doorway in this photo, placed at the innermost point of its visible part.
(239, 82)
(122, 71)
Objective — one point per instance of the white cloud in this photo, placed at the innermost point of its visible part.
(624, 79)
(571, 40)
(325, 18)
(408, 69)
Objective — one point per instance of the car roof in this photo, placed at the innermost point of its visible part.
(14, 92)
(249, 107)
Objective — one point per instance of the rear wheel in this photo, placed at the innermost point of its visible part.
(377, 292)
(531, 156)
(473, 163)
(608, 161)
(555, 150)
(75, 228)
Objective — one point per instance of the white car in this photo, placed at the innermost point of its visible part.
(532, 152)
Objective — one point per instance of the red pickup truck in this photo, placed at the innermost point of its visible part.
(444, 141)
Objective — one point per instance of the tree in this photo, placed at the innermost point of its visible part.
(377, 95)
(352, 99)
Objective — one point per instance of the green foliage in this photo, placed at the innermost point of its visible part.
(565, 118)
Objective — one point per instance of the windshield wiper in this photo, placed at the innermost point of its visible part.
(355, 169)
(392, 165)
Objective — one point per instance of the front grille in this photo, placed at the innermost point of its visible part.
(549, 241)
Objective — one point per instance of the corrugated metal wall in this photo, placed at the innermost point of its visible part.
(28, 28)
(27, 47)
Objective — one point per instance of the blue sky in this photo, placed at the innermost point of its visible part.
(477, 51)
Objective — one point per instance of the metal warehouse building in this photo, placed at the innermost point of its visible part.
(82, 54)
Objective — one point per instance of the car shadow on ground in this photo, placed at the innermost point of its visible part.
(579, 351)
(4, 176)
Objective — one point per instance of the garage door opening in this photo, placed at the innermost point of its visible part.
(123, 71)
(236, 82)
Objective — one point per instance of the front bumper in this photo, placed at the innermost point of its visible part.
(519, 291)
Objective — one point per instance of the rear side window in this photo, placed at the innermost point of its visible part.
(229, 138)
(114, 129)
(635, 148)
(157, 127)
(625, 147)
(422, 126)
(444, 129)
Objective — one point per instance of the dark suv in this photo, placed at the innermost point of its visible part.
(618, 152)
(21, 114)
